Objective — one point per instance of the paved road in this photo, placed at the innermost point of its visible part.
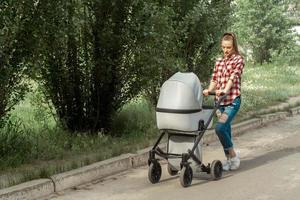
(270, 169)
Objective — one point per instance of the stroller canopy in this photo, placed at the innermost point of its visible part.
(181, 93)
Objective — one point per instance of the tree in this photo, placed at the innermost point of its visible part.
(263, 26)
(16, 47)
(84, 60)
(93, 56)
(96, 55)
(201, 24)
(153, 47)
(176, 36)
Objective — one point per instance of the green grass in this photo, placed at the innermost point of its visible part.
(267, 85)
(33, 145)
(31, 148)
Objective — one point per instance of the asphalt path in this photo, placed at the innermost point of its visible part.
(270, 169)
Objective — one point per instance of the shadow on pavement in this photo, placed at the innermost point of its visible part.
(266, 159)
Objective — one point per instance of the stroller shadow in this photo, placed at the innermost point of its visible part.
(169, 178)
(246, 164)
(207, 179)
(249, 164)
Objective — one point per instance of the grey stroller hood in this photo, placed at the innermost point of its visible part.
(181, 93)
(180, 103)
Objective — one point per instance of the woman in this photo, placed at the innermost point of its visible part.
(226, 79)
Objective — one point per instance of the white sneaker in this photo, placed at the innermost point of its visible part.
(226, 165)
(235, 161)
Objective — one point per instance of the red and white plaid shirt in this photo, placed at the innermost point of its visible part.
(229, 69)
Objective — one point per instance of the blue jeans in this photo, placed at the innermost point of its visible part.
(223, 129)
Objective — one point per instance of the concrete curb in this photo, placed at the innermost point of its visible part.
(242, 127)
(295, 111)
(237, 129)
(141, 157)
(268, 118)
(91, 172)
(28, 191)
(45, 187)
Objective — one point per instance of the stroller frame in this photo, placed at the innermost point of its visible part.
(186, 175)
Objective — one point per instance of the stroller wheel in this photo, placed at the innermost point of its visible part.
(216, 170)
(172, 171)
(154, 172)
(186, 176)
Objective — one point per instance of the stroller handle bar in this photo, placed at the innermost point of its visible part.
(214, 93)
(222, 97)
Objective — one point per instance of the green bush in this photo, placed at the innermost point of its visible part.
(136, 118)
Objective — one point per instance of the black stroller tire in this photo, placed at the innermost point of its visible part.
(172, 171)
(154, 172)
(186, 176)
(216, 170)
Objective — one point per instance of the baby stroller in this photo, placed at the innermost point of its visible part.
(181, 116)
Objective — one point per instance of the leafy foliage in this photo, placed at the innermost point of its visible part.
(200, 30)
(263, 27)
(93, 56)
(178, 36)
(16, 45)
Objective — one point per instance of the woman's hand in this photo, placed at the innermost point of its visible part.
(205, 92)
(220, 93)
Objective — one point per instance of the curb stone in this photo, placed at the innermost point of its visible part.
(295, 111)
(91, 172)
(28, 191)
(141, 157)
(242, 127)
(268, 118)
(40, 188)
